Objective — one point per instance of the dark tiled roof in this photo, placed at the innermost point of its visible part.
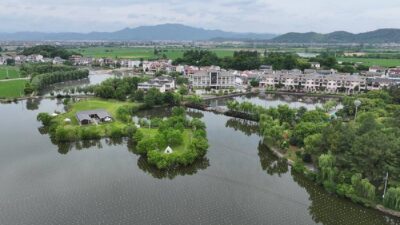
(85, 115)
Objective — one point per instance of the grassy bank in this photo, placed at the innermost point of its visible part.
(372, 61)
(12, 89)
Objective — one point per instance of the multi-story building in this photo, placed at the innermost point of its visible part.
(315, 82)
(216, 79)
(163, 84)
(394, 72)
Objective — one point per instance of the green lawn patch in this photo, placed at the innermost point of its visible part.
(12, 89)
(111, 106)
(371, 61)
(9, 72)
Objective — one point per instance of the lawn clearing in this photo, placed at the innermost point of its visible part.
(371, 61)
(12, 88)
(9, 72)
(110, 106)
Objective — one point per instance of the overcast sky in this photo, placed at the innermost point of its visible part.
(261, 16)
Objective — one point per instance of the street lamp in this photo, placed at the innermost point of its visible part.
(357, 103)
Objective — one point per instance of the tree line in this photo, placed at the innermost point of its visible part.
(252, 60)
(126, 88)
(49, 51)
(353, 154)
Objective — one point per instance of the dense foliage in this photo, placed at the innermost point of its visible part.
(33, 69)
(352, 154)
(41, 81)
(170, 133)
(48, 51)
(126, 88)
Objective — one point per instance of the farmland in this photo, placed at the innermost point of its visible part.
(146, 52)
(9, 72)
(12, 88)
(371, 61)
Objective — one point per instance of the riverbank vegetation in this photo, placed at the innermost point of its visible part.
(354, 154)
(45, 74)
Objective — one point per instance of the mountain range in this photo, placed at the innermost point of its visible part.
(179, 32)
(377, 36)
(163, 32)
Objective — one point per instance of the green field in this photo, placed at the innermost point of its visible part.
(12, 89)
(110, 106)
(372, 61)
(13, 72)
(147, 52)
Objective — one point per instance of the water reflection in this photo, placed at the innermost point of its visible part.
(194, 113)
(33, 104)
(200, 164)
(273, 100)
(330, 210)
(270, 162)
(64, 148)
(246, 126)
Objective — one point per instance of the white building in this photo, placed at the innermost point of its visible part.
(315, 65)
(217, 79)
(315, 82)
(163, 84)
(58, 60)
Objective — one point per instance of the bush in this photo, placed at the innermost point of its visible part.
(66, 134)
(299, 167)
(45, 118)
(90, 133)
(145, 145)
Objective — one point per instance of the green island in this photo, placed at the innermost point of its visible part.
(166, 143)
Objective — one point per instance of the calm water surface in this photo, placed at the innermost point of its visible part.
(104, 182)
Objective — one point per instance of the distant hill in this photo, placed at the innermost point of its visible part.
(378, 36)
(170, 32)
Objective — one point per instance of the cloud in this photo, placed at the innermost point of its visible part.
(231, 15)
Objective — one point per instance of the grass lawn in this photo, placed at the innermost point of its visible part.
(13, 72)
(12, 89)
(372, 61)
(110, 106)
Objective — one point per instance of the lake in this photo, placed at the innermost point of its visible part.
(103, 182)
